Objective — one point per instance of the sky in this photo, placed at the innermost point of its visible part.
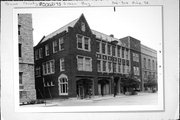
(142, 23)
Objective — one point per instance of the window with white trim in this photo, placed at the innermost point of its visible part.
(136, 70)
(86, 43)
(104, 66)
(47, 50)
(114, 67)
(40, 53)
(62, 65)
(118, 51)
(48, 67)
(87, 64)
(109, 49)
(55, 46)
(135, 57)
(99, 65)
(110, 66)
(83, 42)
(63, 85)
(114, 50)
(103, 48)
(61, 43)
(119, 68)
(84, 63)
(98, 46)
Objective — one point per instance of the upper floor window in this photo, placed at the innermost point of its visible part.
(149, 63)
(47, 50)
(84, 63)
(127, 54)
(99, 65)
(104, 48)
(110, 66)
(136, 70)
(55, 46)
(118, 51)
(98, 46)
(86, 43)
(40, 52)
(135, 57)
(122, 52)
(61, 43)
(20, 50)
(62, 65)
(113, 50)
(104, 66)
(153, 65)
(145, 63)
(119, 68)
(83, 42)
(109, 49)
(19, 29)
(38, 71)
(20, 78)
(48, 67)
(114, 67)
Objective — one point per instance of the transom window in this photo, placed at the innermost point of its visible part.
(83, 42)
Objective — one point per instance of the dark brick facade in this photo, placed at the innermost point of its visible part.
(83, 83)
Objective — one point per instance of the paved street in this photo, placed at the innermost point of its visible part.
(140, 99)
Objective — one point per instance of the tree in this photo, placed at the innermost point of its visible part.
(130, 83)
(151, 83)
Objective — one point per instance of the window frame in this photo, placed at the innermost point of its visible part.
(48, 67)
(63, 85)
(61, 44)
(62, 63)
(84, 63)
(47, 50)
(83, 42)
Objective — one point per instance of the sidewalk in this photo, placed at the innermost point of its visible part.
(78, 101)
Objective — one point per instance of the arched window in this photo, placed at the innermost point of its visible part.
(63, 84)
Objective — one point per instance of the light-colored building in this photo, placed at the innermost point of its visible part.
(148, 64)
(26, 58)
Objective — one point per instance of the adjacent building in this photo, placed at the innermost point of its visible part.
(76, 61)
(27, 90)
(149, 65)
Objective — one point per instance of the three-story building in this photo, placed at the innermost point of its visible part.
(78, 61)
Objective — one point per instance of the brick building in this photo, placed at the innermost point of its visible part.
(78, 61)
(135, 57)
(149, 64)
(26, 58)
